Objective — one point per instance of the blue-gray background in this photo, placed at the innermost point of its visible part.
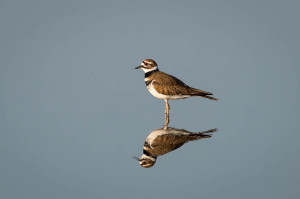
(73, 111)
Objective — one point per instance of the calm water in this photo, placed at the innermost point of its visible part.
(73, 111)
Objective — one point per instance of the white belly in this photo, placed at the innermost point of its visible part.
(161, 96)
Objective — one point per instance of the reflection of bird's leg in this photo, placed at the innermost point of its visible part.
(167, 113)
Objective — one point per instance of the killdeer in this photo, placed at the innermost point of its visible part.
(167, 87)
(162, 141)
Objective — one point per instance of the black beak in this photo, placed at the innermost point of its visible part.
(139, 67)
(138, 159)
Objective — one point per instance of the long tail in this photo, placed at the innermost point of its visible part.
(200, 93)
(200, 135)
(208, 97)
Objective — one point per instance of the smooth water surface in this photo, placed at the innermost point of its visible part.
(73, 111)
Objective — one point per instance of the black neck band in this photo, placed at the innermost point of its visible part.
(147, 153)
(150, 73)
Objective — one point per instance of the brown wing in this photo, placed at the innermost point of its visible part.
(163, 144)
(166, 143)
(170, 85)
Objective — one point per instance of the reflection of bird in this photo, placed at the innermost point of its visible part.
(167, 87)
(162, 141)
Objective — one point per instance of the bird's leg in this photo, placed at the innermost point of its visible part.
(167, 113)
(167, 122)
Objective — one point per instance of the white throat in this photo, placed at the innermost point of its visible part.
(147, 157)
(146, 70)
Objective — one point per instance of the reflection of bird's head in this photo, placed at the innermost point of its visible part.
(147, 162)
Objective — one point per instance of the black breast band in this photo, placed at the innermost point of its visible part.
(148, 82)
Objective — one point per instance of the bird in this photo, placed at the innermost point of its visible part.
(162, 141)
(167, 87)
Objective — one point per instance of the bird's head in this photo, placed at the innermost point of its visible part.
(148, 65)
(146, 161)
